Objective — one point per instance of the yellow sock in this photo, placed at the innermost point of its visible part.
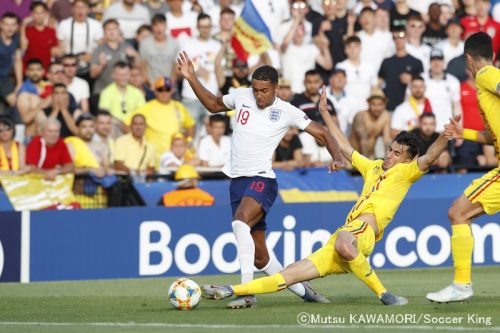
(462, 244)
(268, 284)
(362, 269)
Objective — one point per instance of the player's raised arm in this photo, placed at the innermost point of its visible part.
(454, 130)
(345, 147)
(213, 103)
(425, 161)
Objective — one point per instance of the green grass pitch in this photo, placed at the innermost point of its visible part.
(141, 305)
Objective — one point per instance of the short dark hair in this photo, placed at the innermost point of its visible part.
(36, 4)
(352, 39)
(411, 141)
(311, 72)
(158, 18)
(11, 15)
(121, 64)
(83, 117)
(366, 10)
(266, 73)
(217, 118)
(227, 10)
(203, 16)
(34, 61)
(85, 2)
(142, 28)
(68, 56)
(417, 77)
(110, 21)
(427, 115)
(59, 85)
(479, 45)
(138, 115)
(103, 112)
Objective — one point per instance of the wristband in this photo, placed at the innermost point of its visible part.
(471, 135)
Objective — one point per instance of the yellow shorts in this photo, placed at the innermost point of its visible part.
(486, 191)
(328, 261)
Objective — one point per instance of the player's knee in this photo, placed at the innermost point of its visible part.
(261, 260)
(454, 214)
(344, 249)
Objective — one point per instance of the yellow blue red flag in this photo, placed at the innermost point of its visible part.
(251, 34)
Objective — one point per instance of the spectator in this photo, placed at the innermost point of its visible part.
(406, 115)
(38, 39)
(77, 87)
(120, 98)
(434, 31)
(334, 27)
(47, 154)
(10, 61)
(158, 51)
(134, 155)
(363, 4)
(468, 8)
(452, 46)
(176, 156)
(32, 97)
(285, 90)
(396, 72)
(12, 153)
(223, 36)
(299, 13)
(138, 80)
(345, 105)
(426, 131)
(482, 21)
(102, 136)
(79, 35)
(165, 117)
(288, 155)
(215, 148)
(443, 91)
(156, 7)
(181, 23)
(130, 16)
(202, 51)
(20, 8)
(108, 54)
(447, 14)
(400, 13)
(239, 74)
(368, 127)
(308, 101)
(86, 157)
(414, 46)
(142, 33)
(300, 55)
(216, 13)
(376, 45)
(382, 21)
(187, 192)
(62, 110)
(361, 76)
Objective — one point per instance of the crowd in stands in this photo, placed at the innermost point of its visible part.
(91, 86)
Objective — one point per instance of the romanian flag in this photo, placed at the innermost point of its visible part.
(251, 34)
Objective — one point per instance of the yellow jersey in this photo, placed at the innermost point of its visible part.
(383, 191)
(488, 90)
(163, 120)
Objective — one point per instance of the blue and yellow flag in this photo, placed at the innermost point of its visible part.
(251, 34)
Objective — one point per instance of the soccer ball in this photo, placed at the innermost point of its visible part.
(184, 294)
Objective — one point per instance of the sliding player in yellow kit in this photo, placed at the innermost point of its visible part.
(483, 194)
(386, 183)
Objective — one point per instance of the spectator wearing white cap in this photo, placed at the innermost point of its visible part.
(443, 90)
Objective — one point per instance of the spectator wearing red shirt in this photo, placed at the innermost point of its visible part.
(47, 154)
(482, 21)
(38, 40)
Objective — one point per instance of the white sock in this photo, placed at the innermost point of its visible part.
(273, 267)
(246, 249)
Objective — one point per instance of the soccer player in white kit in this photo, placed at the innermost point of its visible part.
(262, 119)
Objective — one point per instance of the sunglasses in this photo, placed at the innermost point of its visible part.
(70, 65)
(160, 90)
(299, 5)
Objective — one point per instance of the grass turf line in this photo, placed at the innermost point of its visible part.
(144, 301)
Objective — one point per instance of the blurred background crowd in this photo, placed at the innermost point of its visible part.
(91, 86)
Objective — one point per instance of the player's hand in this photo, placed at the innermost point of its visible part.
(185, 65)
(336, 166)
(453, 130)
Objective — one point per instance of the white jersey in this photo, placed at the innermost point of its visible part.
(257, 133)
